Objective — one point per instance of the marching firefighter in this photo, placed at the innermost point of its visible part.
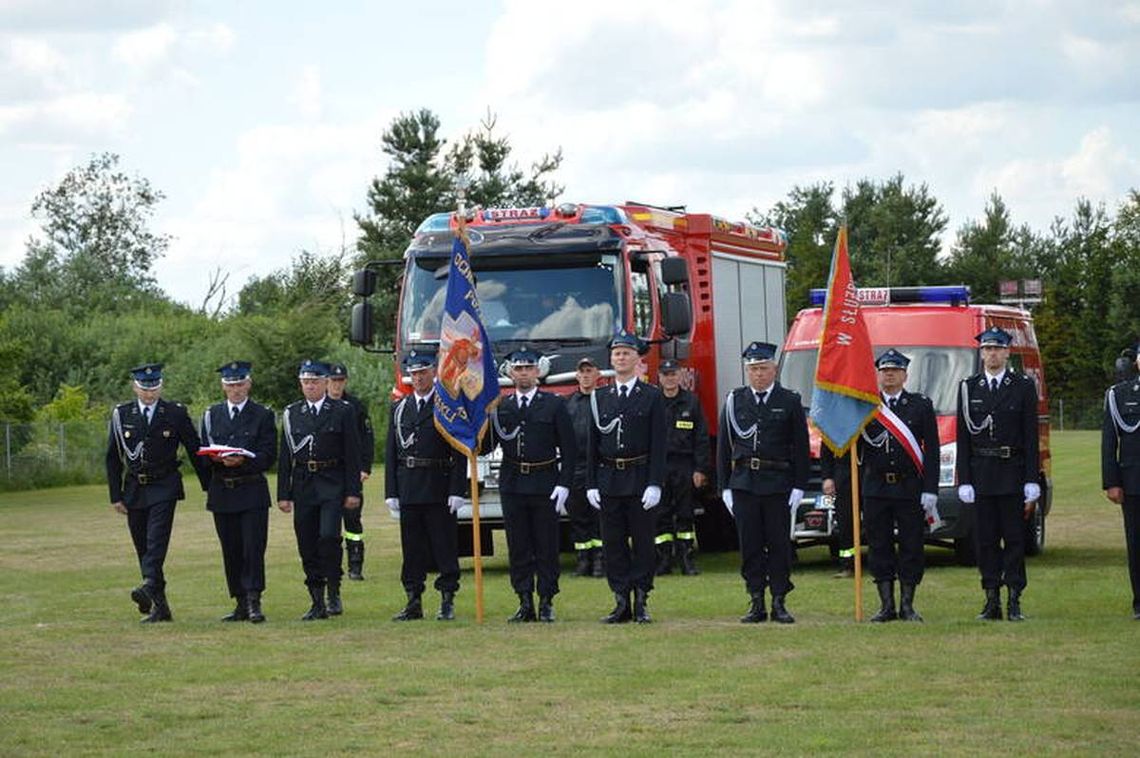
(144, 481)
(688, 459)
(585, 522)
(998, 469)
(1120, 468)
(423, 484)
(762, 468)
(536, 435)
(625, 471)
(353, 527)
(238, 493)
(898, 476)
(318, 475)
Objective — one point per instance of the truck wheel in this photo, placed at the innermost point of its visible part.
(1035, 532)
(964, 551)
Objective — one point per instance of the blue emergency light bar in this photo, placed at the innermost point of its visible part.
(954, 294)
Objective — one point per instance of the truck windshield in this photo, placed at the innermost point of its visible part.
(933, 371)
(576, 300)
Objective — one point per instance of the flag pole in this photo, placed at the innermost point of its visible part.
(856, 535)
(476, 532)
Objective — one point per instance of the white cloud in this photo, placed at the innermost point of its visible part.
(81, 115)
(306, 94)
(146, 48)
(216, 38)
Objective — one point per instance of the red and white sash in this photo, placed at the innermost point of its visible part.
(901, 432)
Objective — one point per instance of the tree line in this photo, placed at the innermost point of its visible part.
(83, 305)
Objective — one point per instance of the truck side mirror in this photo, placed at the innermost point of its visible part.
(676, 315)
(674, 271)
(360, 332)
(364, 283)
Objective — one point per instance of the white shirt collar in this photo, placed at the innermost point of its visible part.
(889, 398)
(143, 407)
(628, 385)
(990, 377)
(419, 397)
(318, 404)
(240, 406)
(528, 395)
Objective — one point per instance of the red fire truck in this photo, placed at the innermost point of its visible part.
(935, 328)
(563, 279)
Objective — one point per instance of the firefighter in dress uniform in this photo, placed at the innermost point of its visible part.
(238, 492)
(625, 471)
(585, 521)
(762, 469)
(144, 481)
(318, 475)
(1120, 468)
(688, 462)
(536, 435)
(424, 479)
(998, 469)
(353, 527)
(895, 494)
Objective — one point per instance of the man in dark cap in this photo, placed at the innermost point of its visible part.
(1120, 467)
(238, 492)
(898, 471)
(998, 469)
(585, 522)
(688, 462)
(318, 476)
(762, 468)
(625, 471)
(353, 527)
(424, 478)
(144, 481)
(536, 435)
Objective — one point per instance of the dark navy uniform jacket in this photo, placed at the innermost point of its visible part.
(134, 450)
(1002, 457)
(326, 464)
(542, 433)
(1120, 449)
(363, 431)
(244, 487)
(886, 469)
(636, 430)
(776, 458)
(578, 405)
(688, 433)
(412, 435)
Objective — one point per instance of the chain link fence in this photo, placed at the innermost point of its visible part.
(49, 454)
(1080, 413)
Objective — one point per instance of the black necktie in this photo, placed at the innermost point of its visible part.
(993, 385)
(623, 392)
(313, 408)
(420, 403)
(235, 412)
(524, 401)
(146, 415)
(894, 401)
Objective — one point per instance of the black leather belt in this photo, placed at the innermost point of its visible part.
(756, 464)
(997, 452)
(312, 465)
(150, 477)
(620, 464)
(230, 482)
(893, 477)
(525, 467)
(413, 462)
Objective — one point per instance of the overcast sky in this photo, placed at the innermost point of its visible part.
(261, 121)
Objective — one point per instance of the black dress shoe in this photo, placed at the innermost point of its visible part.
(159, 611)
(1013, 608)
(906, 604)
(886, 603)
(525, 613)
(141, 596)
(317, 610)
(757, 614)
(546, 610)
(240, 611)
(446, 606)
(253, 607)
(779, 613)
(334, 607)
(991, 611)
(641, 607)
(621, 612)
(412, 611)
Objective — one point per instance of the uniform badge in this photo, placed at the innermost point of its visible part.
(684, 424)
(127, 434)
(166, 433)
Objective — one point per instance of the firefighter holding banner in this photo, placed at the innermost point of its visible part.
(898, 471)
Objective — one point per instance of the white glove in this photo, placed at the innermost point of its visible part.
(929, 500)
(966, 493)
(393, 504)
(559, 495)
(726, 496)
(930, 509)
(1032, 492)
(594, 498)
(651, 497)
(454, 503)
(794, 500)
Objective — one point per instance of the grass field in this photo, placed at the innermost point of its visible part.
(80, 676)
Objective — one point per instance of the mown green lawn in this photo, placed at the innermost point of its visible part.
(80, 676)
